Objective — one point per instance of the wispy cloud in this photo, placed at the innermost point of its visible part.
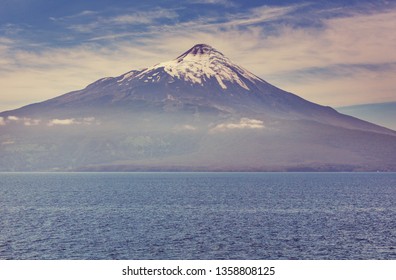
(31, 122)
(28, 76)
(8, 142)
(186, 127)
(13, 118)
(11, 29)
(110, 24)
(146, 17)
(243, 123)
(225, 3)
(18, 120)
(61, 122)
(259, 15)
(342, 44)
(10, 120)
(80, 15)
(71, 121)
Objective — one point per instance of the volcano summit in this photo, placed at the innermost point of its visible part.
(198, 112)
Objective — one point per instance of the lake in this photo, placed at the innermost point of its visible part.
(197, 216)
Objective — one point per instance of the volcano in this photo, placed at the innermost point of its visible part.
(197, 112)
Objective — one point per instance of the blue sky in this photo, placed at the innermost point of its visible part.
(331, 52)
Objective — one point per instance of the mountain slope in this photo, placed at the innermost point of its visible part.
(199, 111)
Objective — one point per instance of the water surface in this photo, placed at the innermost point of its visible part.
(197, 215)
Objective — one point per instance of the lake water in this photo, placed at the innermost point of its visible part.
(197, 215)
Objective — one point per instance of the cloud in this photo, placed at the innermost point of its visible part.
(29, 77)
(81, 15)
(13, 118)
(110, 24)
(355, 51)
(11, 29)
(88, 120)
(145, 17)
(244, 123)
(259, 15)
(71, 121)
(225, 3)
(349, 85)
(31, 122)
(186, 127)
(356, 39)
(8, 142)
(5, 41)
(61, 122)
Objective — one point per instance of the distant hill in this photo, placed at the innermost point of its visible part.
(383, 114)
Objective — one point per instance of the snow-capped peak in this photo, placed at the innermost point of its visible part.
(201, 63)
(199, 51)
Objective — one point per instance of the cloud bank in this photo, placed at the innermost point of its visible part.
(54, 122)
(17, 120)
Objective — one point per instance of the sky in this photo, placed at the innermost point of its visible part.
(335, 53)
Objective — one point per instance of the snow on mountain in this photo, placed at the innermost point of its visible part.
(197, 65)
(128, 76)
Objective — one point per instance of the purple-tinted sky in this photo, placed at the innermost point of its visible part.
(330, 52)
